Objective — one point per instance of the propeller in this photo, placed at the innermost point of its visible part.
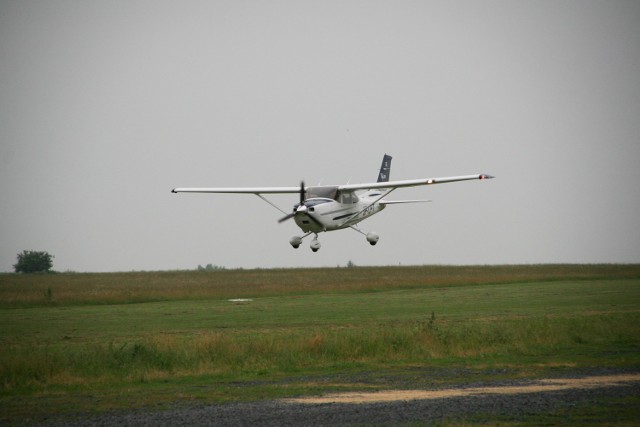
(302, 193)
(301, 207)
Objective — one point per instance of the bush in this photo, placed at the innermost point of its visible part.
(34, 262)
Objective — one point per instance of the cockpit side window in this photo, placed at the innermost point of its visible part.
(348, 198)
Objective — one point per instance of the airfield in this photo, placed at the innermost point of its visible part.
(415, 345)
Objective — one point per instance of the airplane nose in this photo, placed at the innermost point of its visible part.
(302, 209)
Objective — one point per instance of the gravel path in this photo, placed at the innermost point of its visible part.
(480, 407)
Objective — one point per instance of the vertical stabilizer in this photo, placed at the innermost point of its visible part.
(385, 169)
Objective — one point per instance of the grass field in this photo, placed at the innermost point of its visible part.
(87, 342)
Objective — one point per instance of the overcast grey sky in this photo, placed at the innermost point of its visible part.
(105, 106)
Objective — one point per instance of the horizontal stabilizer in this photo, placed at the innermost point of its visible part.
(397, 202)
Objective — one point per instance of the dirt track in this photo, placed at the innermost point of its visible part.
(559, 400)
(545, 385)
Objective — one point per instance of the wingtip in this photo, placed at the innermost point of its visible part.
(486, 176)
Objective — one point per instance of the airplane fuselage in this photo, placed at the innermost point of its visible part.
(347, 209)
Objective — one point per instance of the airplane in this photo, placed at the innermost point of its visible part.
(336, 207)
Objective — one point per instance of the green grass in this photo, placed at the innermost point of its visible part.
(147, 339)
(124, 288)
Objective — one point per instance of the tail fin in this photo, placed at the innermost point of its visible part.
(385, 169)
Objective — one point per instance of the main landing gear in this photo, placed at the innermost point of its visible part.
(296, 241)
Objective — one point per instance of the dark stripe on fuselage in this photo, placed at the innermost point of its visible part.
(343, 216)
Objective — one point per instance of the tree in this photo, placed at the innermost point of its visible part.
(210, 267)
(34, 262)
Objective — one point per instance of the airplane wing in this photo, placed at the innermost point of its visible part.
(411, 182)
(347, 187)
(240, 190)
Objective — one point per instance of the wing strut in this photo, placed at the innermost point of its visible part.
(272, 204)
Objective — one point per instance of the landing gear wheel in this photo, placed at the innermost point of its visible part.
(373, 238)
(295, 241)
(315, 245)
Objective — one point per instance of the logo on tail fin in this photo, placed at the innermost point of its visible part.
(385, 169)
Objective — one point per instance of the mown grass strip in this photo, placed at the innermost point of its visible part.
(74, 325)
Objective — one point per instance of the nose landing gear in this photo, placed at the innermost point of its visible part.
(315, 244)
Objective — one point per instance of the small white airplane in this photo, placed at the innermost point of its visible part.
(335, 207)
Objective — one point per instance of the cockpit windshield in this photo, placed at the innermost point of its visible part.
(328, 192)
(313, 202)
(317, 201)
